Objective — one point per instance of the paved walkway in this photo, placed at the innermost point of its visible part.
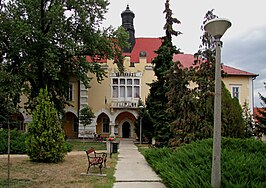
(132, 170)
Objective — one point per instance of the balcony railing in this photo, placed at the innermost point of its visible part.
(124, 104)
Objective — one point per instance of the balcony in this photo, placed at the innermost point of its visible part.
(124, 104)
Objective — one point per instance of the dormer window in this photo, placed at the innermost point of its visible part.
(142, 54)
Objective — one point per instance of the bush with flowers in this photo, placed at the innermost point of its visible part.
(111, 139)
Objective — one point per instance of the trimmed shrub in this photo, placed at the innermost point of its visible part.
(17, 142)
(45, 141)
(243, 163)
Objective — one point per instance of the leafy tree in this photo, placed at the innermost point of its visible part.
(157, 99)
(86, 116)
(9, 98)
(46, 42)
(45, 139)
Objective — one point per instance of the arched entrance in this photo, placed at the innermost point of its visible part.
(70, 125)
(126, 130)
(103, 125)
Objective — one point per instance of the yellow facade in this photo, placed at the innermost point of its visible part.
(244, 83)
(120, 111)
(116, 116)
(114, 101)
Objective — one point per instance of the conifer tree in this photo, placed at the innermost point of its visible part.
(193, 108)
(232, 116)
(157, 99)
(147, 126)
(248, 121)
(45, 139)
(232, 120)
(204, 78)
(261, 117)
(181, 105)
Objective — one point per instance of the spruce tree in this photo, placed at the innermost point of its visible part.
(157, 99)
(45, 139)
(181, 105)
(204, 70)
(248, 121)
(261, 117)
(232, 120)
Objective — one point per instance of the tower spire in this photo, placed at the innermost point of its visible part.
(128, 23)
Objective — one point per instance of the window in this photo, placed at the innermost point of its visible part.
(235, 91)
(70, 93)
(76, 125)
(125, 88)
(115, 91)
(106, 126)
(136, 91)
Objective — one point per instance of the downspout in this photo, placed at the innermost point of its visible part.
(78, 103)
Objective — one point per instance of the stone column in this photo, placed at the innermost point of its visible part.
(112, 130)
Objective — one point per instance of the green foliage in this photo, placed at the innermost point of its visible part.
(243, 163)
(157, 99)
(261, 117)
(147, 125)
(47, 42)
(182, 105)
(248, 121)
(45, 140)
(10, 90)
(78, 145)
(86, 116)
(17, 142)
(191, 97)
(232, 118)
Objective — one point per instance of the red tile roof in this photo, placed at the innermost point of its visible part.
(188, 59)
(148, 45)
(237, 72)
(90, 59)
(256, 113)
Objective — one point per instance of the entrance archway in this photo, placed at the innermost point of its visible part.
(126, 130)
(70, 125)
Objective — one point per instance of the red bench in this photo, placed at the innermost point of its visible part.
(96, 159)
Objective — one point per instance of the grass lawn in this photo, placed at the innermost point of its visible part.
(81, 145)
(24, 173)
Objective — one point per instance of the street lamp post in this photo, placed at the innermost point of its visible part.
(217, 28)
(140, 127)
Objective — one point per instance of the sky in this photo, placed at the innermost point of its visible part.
(244, 43)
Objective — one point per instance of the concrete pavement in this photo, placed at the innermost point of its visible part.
(132, 170)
